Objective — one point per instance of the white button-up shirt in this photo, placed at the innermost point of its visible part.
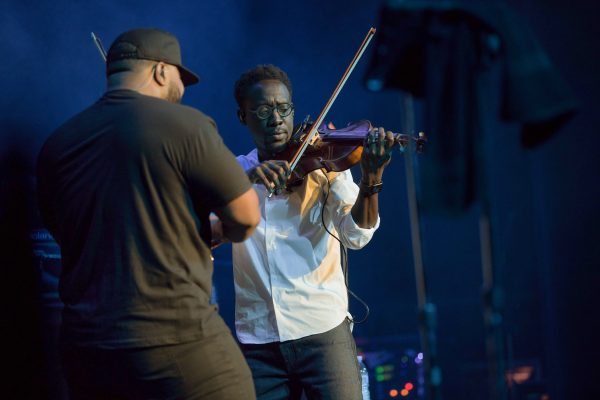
(288, 278)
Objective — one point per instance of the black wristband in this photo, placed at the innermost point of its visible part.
(369, 190)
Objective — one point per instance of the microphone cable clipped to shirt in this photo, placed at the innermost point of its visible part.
(343, 256)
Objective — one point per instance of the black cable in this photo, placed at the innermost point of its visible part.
(343, 256)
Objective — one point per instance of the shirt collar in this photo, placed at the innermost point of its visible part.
(252, 158)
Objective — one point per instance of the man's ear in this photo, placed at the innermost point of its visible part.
(241, 116)
(159, 74)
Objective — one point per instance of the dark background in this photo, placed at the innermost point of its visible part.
(544, 201)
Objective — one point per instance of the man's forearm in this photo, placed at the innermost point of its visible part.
(365, 210)
(366, 207)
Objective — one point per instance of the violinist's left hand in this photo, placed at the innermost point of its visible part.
(377, 152)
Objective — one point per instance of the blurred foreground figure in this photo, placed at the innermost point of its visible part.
(126, 188)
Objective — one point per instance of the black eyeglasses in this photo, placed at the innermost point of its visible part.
(265, 111)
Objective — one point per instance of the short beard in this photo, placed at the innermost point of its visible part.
(173, 94)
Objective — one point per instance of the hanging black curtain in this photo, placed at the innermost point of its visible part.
(439, 51)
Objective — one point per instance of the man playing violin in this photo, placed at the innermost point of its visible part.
(291, 296)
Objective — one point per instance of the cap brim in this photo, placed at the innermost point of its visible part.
(188, 77)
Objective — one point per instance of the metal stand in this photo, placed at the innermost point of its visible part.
(427, 310)
(493, 295)
(493, 304)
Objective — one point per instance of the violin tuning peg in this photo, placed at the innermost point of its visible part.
(401, 146)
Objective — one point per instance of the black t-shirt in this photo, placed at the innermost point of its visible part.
(126, 187)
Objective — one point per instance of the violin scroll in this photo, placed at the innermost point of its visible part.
(403, 141)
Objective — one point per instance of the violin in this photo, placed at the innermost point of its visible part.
(336, 150)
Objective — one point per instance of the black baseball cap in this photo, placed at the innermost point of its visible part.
(150, 44)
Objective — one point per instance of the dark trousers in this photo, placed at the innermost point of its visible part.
(212, 368)
(324, 366)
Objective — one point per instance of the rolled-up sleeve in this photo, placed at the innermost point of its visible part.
(342, 196)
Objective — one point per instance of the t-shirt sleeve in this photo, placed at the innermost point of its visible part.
(209, 168)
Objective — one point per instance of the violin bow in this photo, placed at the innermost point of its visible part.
(99, 46)
(313, 131)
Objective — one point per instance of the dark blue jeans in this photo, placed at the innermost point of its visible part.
(324, 366)
(212, 368)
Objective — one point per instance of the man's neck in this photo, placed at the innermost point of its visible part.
(131, 81)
